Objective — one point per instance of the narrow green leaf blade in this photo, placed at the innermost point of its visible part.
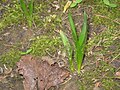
(83, 33)
(31, 7)
(81, 44)
(24, 8)
(72, 25)
(64, 39)
(30, 13)
(70, 58)
(80, 54)
(68, 49)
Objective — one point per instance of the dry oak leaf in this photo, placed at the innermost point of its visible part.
(40, 75)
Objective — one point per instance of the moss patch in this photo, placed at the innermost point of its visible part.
(104, 74)
(40, 46)
(11, 14)
(10, 58)
(106, 15)
(45, 44)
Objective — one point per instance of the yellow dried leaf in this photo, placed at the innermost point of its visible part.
(67, 5)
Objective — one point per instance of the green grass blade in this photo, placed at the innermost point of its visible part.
(24, 8)
(30, 13)
(72, 25)
(31, 8)
(81, 44)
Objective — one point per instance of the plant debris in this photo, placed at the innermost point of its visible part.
(40, 75)
(98, 86)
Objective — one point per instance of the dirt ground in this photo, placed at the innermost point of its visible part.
(101, 65)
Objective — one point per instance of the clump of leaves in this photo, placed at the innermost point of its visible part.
(28, 11)
(79, 43)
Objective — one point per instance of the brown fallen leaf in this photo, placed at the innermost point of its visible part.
(40, 75)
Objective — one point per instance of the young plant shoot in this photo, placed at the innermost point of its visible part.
(79, 43)
(28, 11)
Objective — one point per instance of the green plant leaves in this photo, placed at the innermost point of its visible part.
(64, 39)
(79, 43)
(28, 12)
(107, 2)
(68, 49)
(83, 33)
(78, 1)
(75, 3)
(24, 8)
(31, 7)
(66, 42)
(72, 25)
